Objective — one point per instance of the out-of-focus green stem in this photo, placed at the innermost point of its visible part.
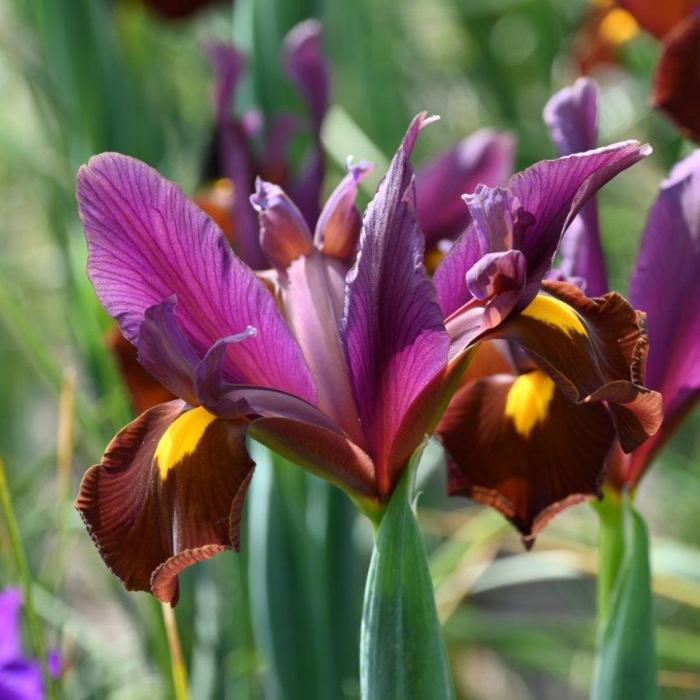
(177, 662)
(611, 547)
(26, 578)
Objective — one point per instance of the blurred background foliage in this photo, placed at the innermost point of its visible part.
(82, 76)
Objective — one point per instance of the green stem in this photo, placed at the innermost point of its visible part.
(26, 578)
(611, 548)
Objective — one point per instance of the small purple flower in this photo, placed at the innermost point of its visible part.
(20, 677)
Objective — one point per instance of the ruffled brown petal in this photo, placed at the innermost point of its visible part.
(519, 445)
(595, 351)
(168, 493)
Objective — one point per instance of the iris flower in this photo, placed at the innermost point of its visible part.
(530, 428)
(342, 360)
(20, 677)
(665, 281)
(484, 157)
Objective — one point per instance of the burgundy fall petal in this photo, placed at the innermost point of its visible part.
(519, 445)
(153, 511)
(392, 328)
(147, 241)
(594, 350)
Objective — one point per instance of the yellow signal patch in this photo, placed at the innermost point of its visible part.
(528, 401)
(554, 312)
(181, 438)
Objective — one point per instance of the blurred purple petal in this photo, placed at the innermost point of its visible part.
(228, 65)
(10, 640)
(572, 118)
(395, 340)
(666, 285)
(486, 158)
(306, 188)
(21, 679)
(238, 166)
(571, 115)
(147, 241)
(284, 235)
(338, 227)
(276, 161)
(306, 64)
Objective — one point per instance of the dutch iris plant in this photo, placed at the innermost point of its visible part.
(344, 357)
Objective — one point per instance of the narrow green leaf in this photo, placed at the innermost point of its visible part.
(293, 594)
(626, 663)
(402, 651)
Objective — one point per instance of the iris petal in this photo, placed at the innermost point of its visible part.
(519, 445)
(148, 242)
(151, 521)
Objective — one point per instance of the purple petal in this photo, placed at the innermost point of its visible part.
(549, 194)
(21, 680)
(498, 218)
(554, 191)
(275, 166)
(165, 352)
(338, 227)
(228, 65)
(572, 118)
(395, 341)
(486, 158)
(284, 235)
(306, 64)
(499, 278)
(666, 285)
(313, 293)
(238, 166)
(10, 639)
(571, 115)
(147, 241)
(451, 275)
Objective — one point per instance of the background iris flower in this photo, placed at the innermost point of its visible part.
(665, 280)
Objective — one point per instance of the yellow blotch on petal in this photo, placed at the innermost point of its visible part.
(556, 313)
(181, 438)
(528, 401)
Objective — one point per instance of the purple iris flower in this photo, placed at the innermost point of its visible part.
(235, 158)
(20, 677)
(665, 281)
(485, 157)
(340, 358)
